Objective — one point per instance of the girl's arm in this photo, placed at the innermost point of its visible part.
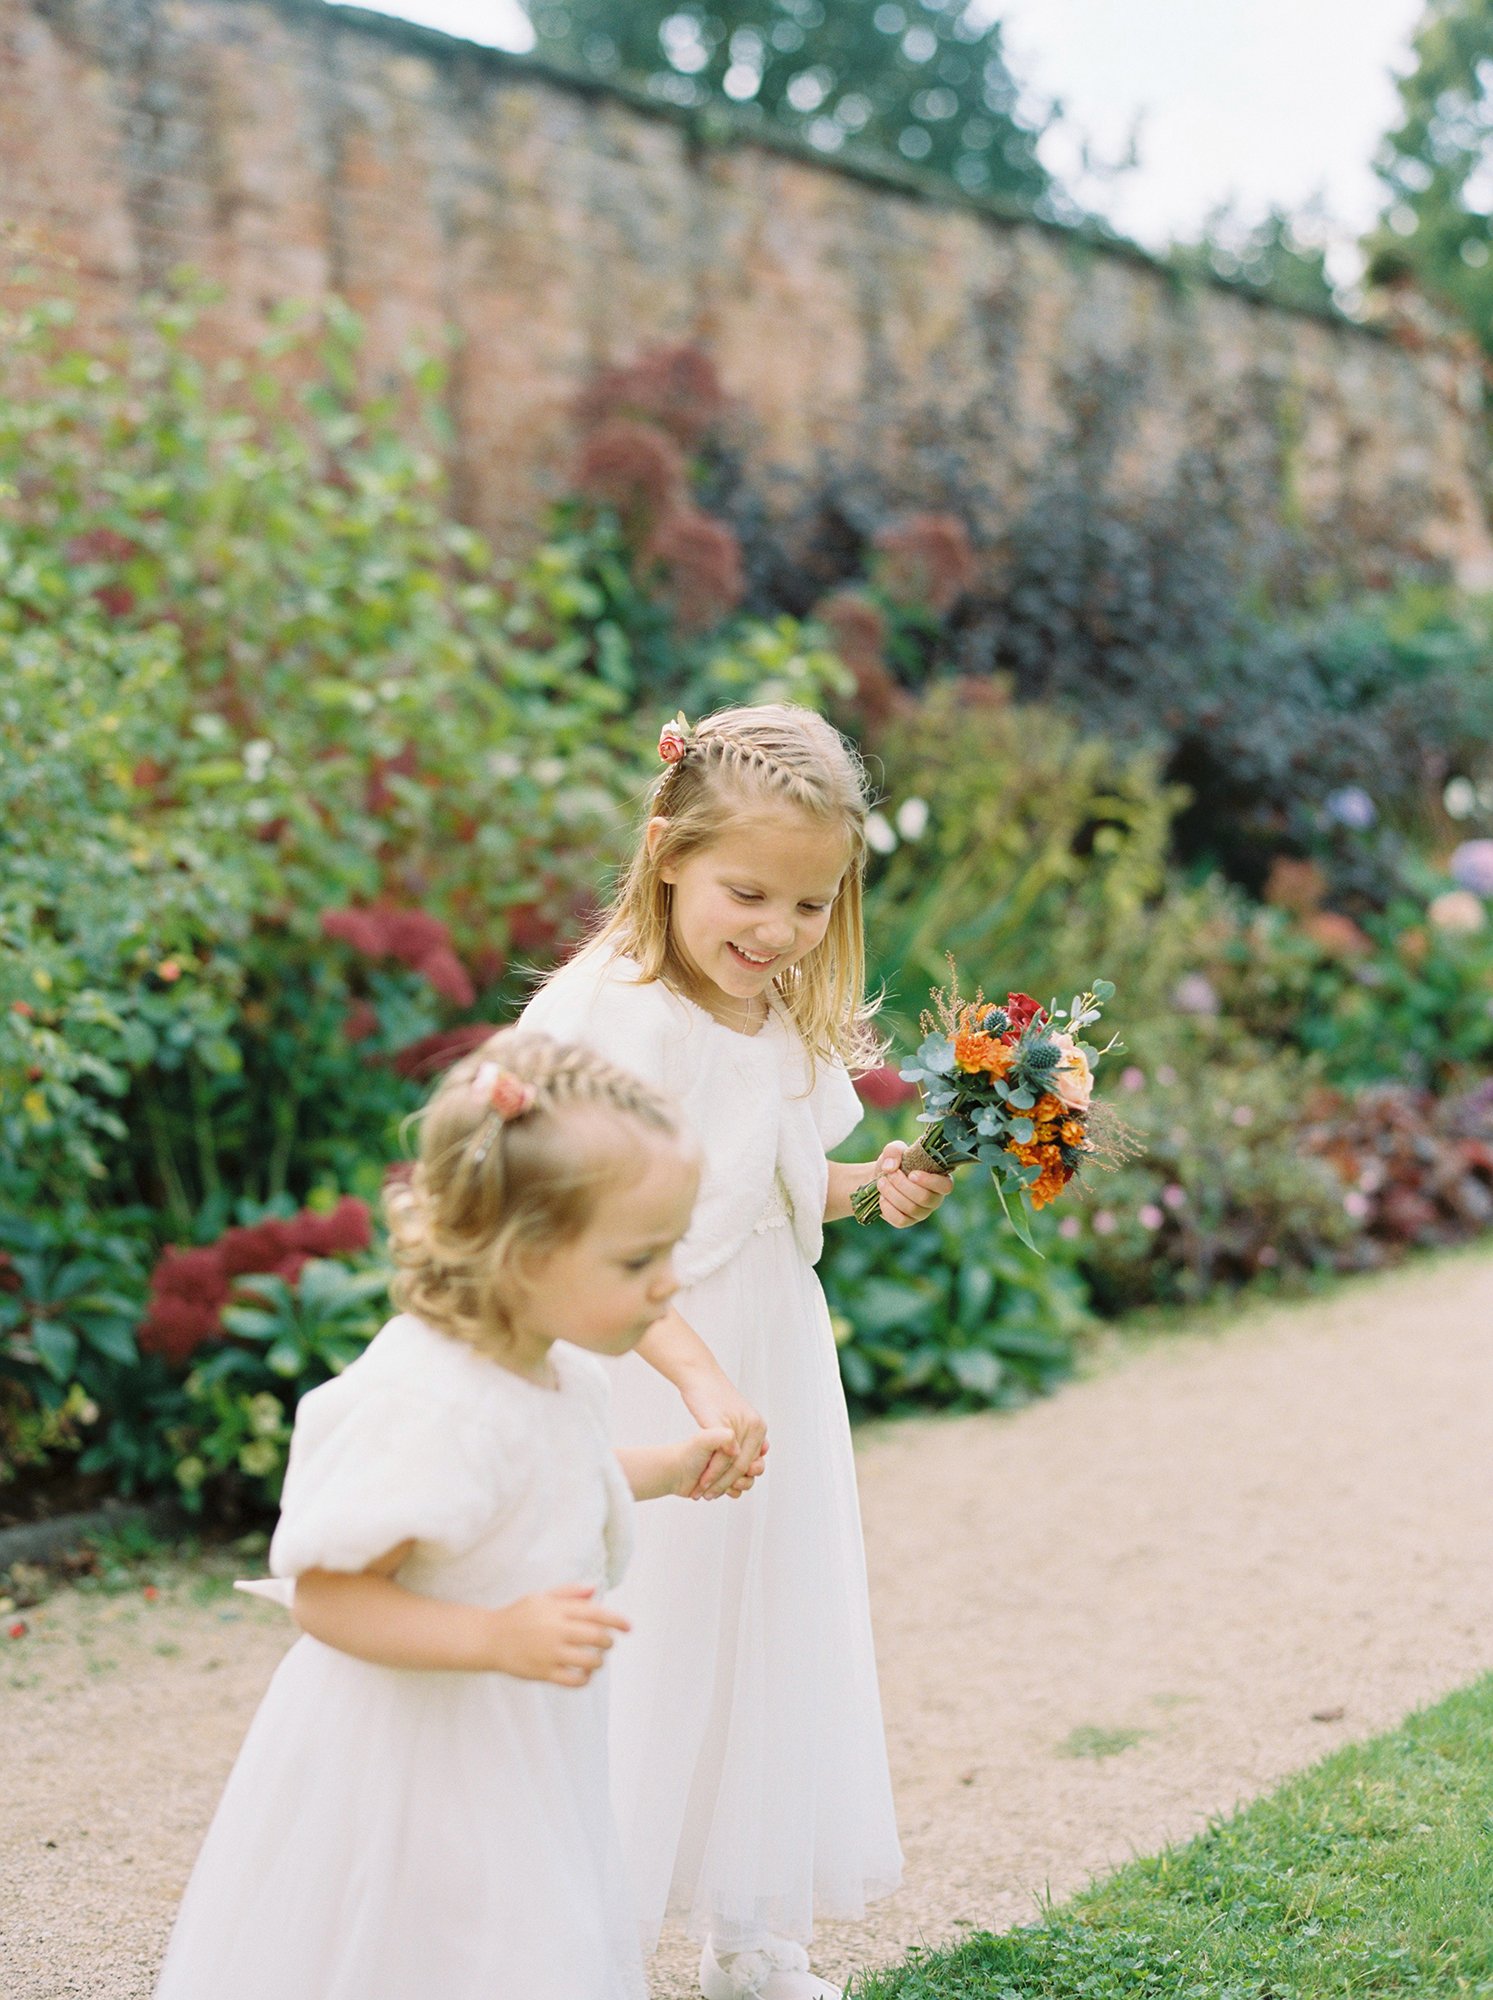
(905, 1198)
(672, 1346)
(556, 1635)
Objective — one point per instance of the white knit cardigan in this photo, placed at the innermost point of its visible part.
(747, 1099)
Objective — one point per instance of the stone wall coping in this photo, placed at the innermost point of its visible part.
(721, 127)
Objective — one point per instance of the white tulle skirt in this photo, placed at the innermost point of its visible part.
(410, 1836)
(749, 1761)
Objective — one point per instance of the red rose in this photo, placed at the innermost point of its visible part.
(1021, 1010)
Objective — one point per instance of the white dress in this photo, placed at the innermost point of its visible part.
(748, 1755)
(389, 1834)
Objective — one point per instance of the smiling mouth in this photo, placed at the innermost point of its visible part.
(757, 964)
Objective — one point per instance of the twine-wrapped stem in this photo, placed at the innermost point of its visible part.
(927, 1157)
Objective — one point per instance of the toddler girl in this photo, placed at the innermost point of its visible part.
(749, 1763)
(419, 1810)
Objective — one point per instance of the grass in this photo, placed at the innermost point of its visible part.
(1369, 1877)
(1092, 1741)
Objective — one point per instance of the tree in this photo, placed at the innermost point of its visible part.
(1277, 255)
(1437, 166)
(924, 81)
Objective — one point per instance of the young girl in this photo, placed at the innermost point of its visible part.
(749, 1764)
(419, 1811)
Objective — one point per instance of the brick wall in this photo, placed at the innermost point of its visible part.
(886, 349)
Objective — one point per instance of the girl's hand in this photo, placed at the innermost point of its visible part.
(695, 1455)
(907, 1198)
(715, 1404)
(557, 1635)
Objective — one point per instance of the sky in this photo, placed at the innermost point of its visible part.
(1258, 102)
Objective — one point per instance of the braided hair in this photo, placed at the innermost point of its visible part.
(486, 1185)
(736, 765)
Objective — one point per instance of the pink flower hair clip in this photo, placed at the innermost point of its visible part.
(674, 740)
(506, 1096)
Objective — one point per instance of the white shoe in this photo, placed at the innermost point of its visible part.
(773, 1970)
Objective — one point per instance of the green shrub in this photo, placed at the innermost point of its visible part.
(1413, 1004)
(1035, 856)
(252, 674)
(1223, 1190)
(284, 1339)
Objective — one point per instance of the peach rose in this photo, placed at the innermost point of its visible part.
(1073, 1080)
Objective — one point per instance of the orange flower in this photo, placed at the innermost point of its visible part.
(1048, 1108)
(1071, 1131)
(973, 1052)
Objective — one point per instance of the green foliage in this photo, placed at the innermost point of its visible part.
(71, 1287)
(1366, 1875)
(1417, 1009)
(1221, 1192)
(926, 84)
(1146, 625)
(779, 659)
(1042, 853)
(285, 1339)
(1435, 164)
(955, 1313)
(251, 671)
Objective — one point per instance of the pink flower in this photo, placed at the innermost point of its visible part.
(510, 1096)
(446, 973)
(701, 560)
(672, 743)
(1150, 1216)
(926, 560)
(633, 467)
(257, 1247)
(1073, 1081)
(1174, 1196)
(884, 1089)
(1069, 1227)
(347, 1227)
(1104, 1223)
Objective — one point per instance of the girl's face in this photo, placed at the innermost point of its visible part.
(604, 1288)
(754, 902)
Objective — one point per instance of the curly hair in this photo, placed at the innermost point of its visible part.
(736, 763)
(484, 1190)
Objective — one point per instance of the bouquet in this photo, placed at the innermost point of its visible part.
(1010, 1085)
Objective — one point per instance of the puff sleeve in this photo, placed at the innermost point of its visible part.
(372, 1466)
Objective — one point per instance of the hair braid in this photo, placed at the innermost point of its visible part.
(477, 1195)
(731, 766)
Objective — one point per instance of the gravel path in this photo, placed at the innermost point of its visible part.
(1099, 1622)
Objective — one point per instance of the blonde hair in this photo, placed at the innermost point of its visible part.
(734, 763)
(485, 1190)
